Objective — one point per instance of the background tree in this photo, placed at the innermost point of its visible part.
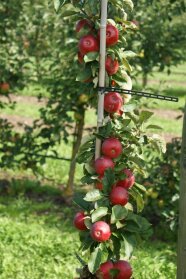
(160, 39)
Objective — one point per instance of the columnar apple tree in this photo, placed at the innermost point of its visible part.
(108, 220)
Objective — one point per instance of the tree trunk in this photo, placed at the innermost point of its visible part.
(69, 191)
(144, 81)
(181, 259)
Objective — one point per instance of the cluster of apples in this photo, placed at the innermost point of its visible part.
(100, 231)
(111, 149)
(90, 43)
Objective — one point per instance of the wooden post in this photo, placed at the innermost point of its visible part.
(103, 26)
(181, 258)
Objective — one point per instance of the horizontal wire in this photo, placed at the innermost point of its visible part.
(103, 90)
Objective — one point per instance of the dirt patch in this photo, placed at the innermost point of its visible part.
(166, 113)
(18, 121)
(24, 99)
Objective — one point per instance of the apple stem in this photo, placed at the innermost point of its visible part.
(100, 116)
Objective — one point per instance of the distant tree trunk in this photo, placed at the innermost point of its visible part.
(144, 81)
(69, 191)
(181, 259)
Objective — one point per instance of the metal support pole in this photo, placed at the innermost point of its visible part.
(100, 117)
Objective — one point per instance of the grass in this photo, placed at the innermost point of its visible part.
(37, 240)
(24, 110)
(173, 127)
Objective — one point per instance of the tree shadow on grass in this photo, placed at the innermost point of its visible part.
(29, 201)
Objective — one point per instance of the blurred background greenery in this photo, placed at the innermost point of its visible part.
(41, 115)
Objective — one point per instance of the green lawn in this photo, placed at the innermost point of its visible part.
(37, 240)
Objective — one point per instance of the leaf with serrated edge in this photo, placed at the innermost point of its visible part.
(93, 195)
(95, 260)
(99, 213)
(118, 213)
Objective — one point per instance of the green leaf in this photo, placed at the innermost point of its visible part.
(118, 213)
(95, 260)
(91, 56)
(136, 223)
(119, 225)
(158, 143)
(140, 187)
(84, 74)
(130, 107)
(67, 13)
(126, 64)
(87, 180)
(144, 116)
(99, 213)
(138, 198)
(93, 195)
(154, 127)
(78, 199)
(116, 246)
(129, 3)
(129, 54)
(129, 243)
(108, 180)
(87, 222)
(57, 5)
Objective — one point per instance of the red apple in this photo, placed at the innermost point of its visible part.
(111, 148)
(129, 181)
(83, 23)
(100, 231)
(87, 44)
(79, 221)
(103, 163)
(104, 270)
(112, 35)
(113, 102)
(125, 270)
(111, 65)
(119, 195)
(4, 87)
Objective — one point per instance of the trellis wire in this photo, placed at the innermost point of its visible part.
(104, 90)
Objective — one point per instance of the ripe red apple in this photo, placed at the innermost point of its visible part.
(112, 102)
(112, 35)
(103, 163)
(4, 87)
(111, 65)
(100, 231)
(87, 44)
(80, 57)
(125, 270)
(119, 195)
(83, 23)
(129, 181)
(79, 221)
(104, 270)
(111, 148)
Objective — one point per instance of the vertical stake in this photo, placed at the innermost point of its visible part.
(181, 258)
(100, 116)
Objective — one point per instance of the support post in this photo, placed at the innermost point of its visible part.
(100, 112)
(181, 258)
